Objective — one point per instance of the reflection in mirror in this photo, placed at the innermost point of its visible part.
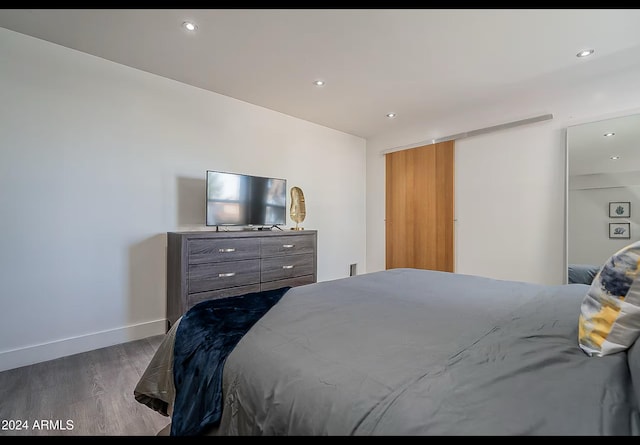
(603, 205)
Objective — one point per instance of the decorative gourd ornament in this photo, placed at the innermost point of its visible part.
(298, 210)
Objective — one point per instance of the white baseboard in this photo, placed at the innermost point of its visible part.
(43, 352)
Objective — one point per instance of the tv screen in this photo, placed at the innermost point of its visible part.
(244, 200)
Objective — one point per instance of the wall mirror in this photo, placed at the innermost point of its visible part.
(603, 196)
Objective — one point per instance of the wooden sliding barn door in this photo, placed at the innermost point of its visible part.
(419, 207)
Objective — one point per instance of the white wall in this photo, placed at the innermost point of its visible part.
(98, 161)
(510, 185)
(509, 204)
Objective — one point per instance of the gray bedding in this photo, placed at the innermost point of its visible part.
(416, 352)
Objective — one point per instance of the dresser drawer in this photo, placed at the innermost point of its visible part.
(286, 245)
(293, 282)
(193, 299)
(279, 268)
(214, 276)
(217, 250)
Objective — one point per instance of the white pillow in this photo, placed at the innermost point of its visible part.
(609, 319)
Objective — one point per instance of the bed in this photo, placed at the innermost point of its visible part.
(411, 352)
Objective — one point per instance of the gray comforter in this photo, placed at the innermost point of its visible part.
(415, 352)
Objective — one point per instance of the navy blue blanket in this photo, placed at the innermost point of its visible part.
(205, 337)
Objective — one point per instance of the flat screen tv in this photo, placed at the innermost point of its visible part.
(242, 200)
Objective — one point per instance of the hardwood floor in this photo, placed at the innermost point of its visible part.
(93, 391)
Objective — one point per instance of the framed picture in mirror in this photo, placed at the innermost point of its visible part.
(619, 209)
(619, 230)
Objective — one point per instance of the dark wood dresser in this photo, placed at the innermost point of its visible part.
(205, 264)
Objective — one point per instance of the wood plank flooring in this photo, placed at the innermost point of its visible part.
(93, 390)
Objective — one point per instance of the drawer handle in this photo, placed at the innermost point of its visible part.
(288, 246)
(226, 250)
(287, 267)
(224, 275)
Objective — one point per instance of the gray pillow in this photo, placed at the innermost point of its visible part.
(582, 273)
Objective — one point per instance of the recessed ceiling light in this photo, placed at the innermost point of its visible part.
(391, 115)
(318, 83)
(614, 158)
(585, 53)
(608, 135)
(189, 26)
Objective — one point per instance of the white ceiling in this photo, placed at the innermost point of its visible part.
(420, 63)
(590, 151)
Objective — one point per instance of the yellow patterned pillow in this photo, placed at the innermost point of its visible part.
(610, 312)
